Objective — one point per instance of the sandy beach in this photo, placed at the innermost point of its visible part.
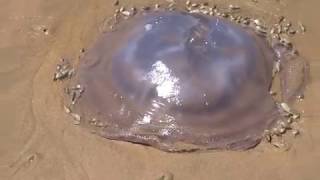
(39, 141)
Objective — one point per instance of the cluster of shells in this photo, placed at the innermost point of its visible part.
(279, 32)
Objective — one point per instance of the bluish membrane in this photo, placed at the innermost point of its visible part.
(180, 81)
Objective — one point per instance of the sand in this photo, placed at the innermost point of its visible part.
(39, 141)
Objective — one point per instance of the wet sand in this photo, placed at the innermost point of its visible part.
(39, 141)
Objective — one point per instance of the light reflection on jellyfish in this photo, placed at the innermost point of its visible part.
(180, 81)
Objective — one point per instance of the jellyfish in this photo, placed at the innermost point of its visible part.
(179, 81)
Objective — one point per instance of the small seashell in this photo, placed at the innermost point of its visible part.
(234, 7)
(302, 27)
(67, 109)
(295, 132)
(76, 118)
(188, 3)
(285, 107)
(295, 116)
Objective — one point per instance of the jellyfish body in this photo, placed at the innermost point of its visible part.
(179, 81)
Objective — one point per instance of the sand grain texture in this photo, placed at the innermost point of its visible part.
(39, 141)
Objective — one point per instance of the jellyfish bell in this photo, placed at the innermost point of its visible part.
(179, 81)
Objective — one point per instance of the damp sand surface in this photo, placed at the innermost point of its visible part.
(39, 141)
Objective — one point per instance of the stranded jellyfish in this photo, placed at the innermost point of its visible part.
(179, 81)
